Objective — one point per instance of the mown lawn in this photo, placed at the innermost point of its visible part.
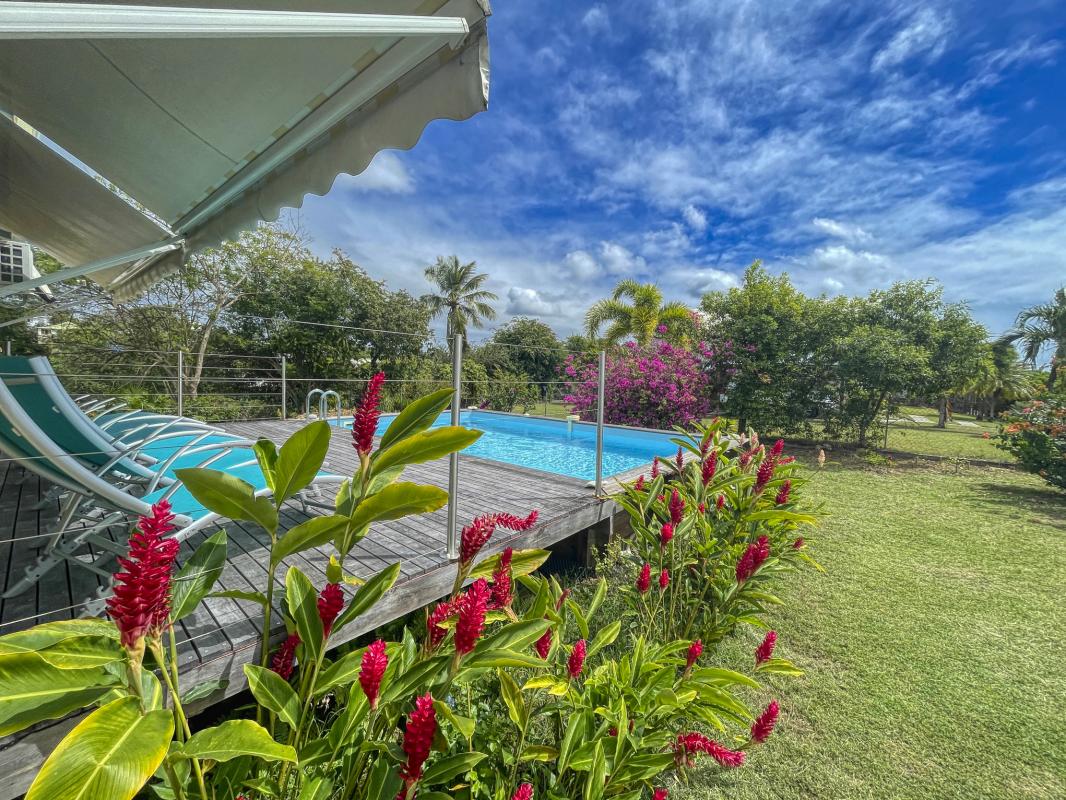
(934, 644)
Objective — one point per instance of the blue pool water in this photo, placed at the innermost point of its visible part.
(548, 445)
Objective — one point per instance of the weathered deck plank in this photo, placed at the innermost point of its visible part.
(221, 637)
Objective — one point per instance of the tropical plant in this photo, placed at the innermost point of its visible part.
(642, 319)
(459, 295)
(1000, 377)
(1042, 326)
(1035, 433)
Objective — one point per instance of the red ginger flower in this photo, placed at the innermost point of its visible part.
(719, 502)
(524, 792)
(473, 605)
(660, 794)
(778, 447)
(330, 603)
(644, 579)
(764, 724)
(702, 508)
(783, 492)
(710, 466)
(140, 605)
(745, 459)
(562, 599)
(501, 581)
(283, 659)
(443, 611)
(798, 544)
(753, 558)
(576, 661)
(763, 474)
(695, 650)
(664, 580)
(655, 468)
(543, 645)
(765, 651)
(666, 534)
(689, 744)
(478, 532)
(418, 738)
(679, 459)
(365, 423)
(639, 485)
(371, 670)
(677, 508)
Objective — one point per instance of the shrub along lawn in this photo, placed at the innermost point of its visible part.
(933, 644)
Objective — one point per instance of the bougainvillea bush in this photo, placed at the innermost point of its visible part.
(1035, 433)
(658, 386)
(507, 688)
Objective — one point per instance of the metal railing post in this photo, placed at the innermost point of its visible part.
(602, 382)
(284, 389)
(181, 384)
(453, 459)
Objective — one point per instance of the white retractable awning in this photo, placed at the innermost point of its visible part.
(215, 118)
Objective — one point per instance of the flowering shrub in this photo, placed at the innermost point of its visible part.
(659, 386)
(1035, 433)
(570, 708)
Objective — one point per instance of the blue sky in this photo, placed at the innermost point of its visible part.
(848, 144)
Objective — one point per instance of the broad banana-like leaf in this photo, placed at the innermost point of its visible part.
(300, 459)
(228, 496)
(426, 446)
(32, 690)
(302, 600)
(198, 575)
(416, 417)
(235, 738)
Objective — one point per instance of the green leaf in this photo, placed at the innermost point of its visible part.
(515, 636)
(198, 575)
(416, 676)
(426, 446)
(779, 666)
(539, 752)
(384, 783)
(523, 562)
(237, 594)
(598, 597)
(464, 725)
(204, 689)
(228, 496)
(313, 532)
(48, 633)
(32, 690)
(316, 789)
(302, 600)
(575, 731)
(597, 774)
(235, 738)
(300, 459)
(266, 453)
(82, 652)
(273, 693)
(369, 593)
(398, 500)
(416, 417)
(449, 767)
(605, 637)
(341, 672)
(502, 658)
(111, 753)
(512, 698)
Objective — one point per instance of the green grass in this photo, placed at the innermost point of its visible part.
(933, 644)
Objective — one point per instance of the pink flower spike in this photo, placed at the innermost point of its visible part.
(695, 650)
(436, 631)
(543, 645)
(639, 485)
(679, 459)
(764, 725)
(664, 580)
(765, 651)
(644, 579)
(282, 662)
(677, 507)
(660, 794)
(576, 662)
(502, 594)
(330, 604)
(719, 502)
(666, 533)
(778, 448)
(473, 605)
(655, 468)
(798, 544)
(710, 466)
(371, 670)
(524, 792)
(418, 738)
(783, 492)
(365, 423)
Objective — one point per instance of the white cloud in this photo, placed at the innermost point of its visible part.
(925, 35)
(386, 173)
(596, 19)
(695, 218)
(844, 259)
(528, 301)
(841, 230)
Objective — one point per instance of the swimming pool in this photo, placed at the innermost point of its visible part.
(554, 446)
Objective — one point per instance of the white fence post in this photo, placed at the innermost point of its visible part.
(453, 459)
(181, 384)
(602, 383)
(284, 389)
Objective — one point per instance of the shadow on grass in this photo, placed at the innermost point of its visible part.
(1045, 501)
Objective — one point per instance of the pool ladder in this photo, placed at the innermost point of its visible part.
(323, 404)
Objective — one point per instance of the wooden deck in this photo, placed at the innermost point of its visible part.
(221, 637)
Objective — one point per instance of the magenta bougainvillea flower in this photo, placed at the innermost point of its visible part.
(783, 493)
(371, 669)
(418, 738)
(695, 650)
(644, 579)
(666, 533)
(689, 744)
(677, 507)
(365, 422)
(140, 605)
(576, 662)
(502, 593)
(478, 532)
(330, 603)
(524, 792)
(543, 645)
(664, 580)
(764, 724)
(473, 605)
(282, 663)
(765, 651)
(710, 466)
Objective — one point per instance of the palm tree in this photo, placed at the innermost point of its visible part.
(459, 295)
(1001, 377)
(1039, 327)
(641, 319)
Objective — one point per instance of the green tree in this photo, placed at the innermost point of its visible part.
(1001, 377)
(955, 355)
(459, 295)
(1041, 327)
(531, 347)
(640, 318)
